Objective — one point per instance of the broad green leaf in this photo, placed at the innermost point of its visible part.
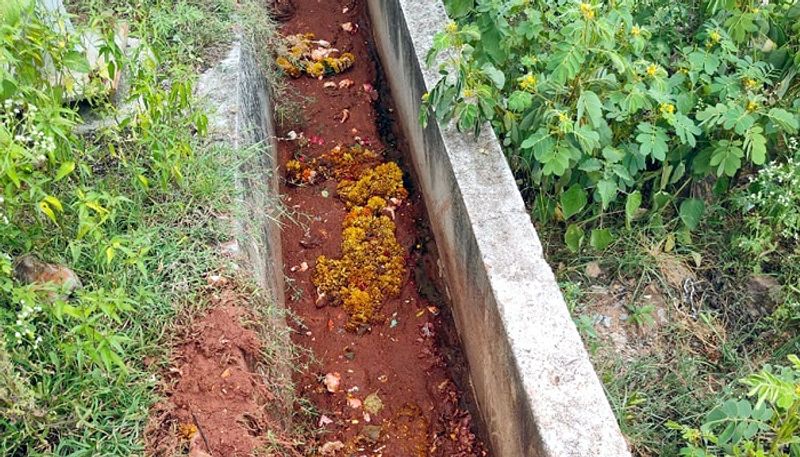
(468, 120)
(632, 204)
(691, 212)
(459, 8)
(566, 62)
(587, 138)
(784, 119)
(496, 76)
(573, 200)
(653, 141)
(520, 101)
(573, 237)
(65, 169)
(556, 159)
(727, 157)
(755, 145)
(590, 104)
(77, 62)
(685, 129)
(607, 190)
(600, 239)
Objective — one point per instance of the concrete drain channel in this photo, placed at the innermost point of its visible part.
(436, 325)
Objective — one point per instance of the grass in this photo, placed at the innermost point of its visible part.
(696, 357)
(163, 239)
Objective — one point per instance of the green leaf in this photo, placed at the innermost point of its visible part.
(727, 157)
(590, 104)
(600, 239)
(573, 200)
(607, 191)
(783, 119)
(468, 120)
(632, 204)
(653, 141)
(573, 237)
(587, 138)
(755, 145)
(520, 101)
(459, 8)
(496, 76)
(77, 62)
(566, 62)
(685, 129)
(65, 169)
(556, 159)
(691, 212)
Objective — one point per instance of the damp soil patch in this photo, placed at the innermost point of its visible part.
(387, 375)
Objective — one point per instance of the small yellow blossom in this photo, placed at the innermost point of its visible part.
(469, 93)
(752, 106)
(714, 36)
(563, 118)
(667, 109)
(652, 69)
(451, 27)
(636, 31)
(528, 82)
(587, 11)
(426, 96)
(749, 83)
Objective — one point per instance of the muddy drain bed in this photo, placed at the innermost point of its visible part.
(387, 376)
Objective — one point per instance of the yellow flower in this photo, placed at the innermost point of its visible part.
(451, 27)
(667, 108)
(749, 83)
(636, 31)
(652, 69)
(528, 82)
(752, 106)
(563, 118)
(469, 93)
(587, 11)
(426, 96)
(714, 36)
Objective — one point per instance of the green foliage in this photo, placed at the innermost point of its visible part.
(608, 100)
(770, 427)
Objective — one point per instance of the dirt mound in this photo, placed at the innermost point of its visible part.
(217, 401)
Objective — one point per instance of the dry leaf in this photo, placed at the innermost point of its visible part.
(226, 373)
(345, 116)
(332, 381)
(349, 27)
(373, 404)
(354, 403)
(325, 420)
(187, 431)
(345, 83)
(331, 447)
(329, 85)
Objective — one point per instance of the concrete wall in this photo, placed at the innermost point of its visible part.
(534, 383)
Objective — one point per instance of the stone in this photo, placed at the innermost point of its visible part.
(28, 269)
(764, 293)
(593, 270)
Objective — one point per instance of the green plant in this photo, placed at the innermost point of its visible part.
(591, 107)
(641, 315)
(770, 427)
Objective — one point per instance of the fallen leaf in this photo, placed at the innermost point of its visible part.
(373, 404)
(226, 373)
(325, 420)
(332, 381)
(371, 432)
(187, 431)
(331, 447)
(345, 116)
(329, 85)
(370, 91)
(354, 403)
(593, 270)
(345, 83)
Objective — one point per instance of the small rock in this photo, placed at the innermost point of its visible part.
(331, 447)
(765, 294)
(593, 270)
(28, 269)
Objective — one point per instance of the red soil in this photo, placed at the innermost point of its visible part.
(409, 357)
